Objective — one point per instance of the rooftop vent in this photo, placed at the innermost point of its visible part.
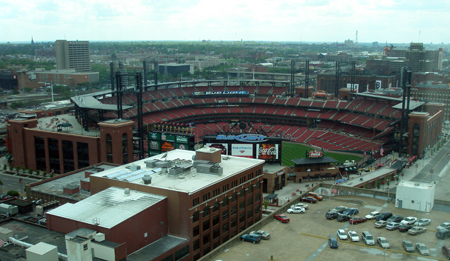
(127, 192)
(147, 179)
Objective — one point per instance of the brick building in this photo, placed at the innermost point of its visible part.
(41, 78)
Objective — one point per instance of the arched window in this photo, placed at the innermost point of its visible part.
(195, 217)
(233, 197)
(206, 211)
(109, 155)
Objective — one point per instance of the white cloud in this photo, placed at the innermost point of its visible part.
(267, 20)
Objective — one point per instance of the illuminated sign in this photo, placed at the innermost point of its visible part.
(222, 93)
(315, 154)
(243, 137)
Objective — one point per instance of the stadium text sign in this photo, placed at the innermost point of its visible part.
(243, 137)
(222, 93)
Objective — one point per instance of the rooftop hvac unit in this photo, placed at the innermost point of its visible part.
(127, 192)
(147, 179)
(99, 237)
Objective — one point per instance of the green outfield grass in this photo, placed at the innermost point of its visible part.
(291, 151)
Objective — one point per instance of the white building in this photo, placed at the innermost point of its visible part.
(415, 196)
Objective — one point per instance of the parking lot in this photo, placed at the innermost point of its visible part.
(305, 236)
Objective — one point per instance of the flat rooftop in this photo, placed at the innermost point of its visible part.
(416, 184)
(55, 187)
(189, 181)
(366, 177)
(109, 207)
(73, 127)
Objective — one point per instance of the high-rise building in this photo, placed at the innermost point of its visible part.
(72, 55)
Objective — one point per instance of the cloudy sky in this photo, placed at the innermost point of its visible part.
(393, 21)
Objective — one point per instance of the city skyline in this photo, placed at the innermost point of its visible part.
(292, 21)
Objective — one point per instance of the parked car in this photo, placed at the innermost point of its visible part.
(302, 205)
(353, 236)
(445, 225)
(261, 233)
(315, 195)
(343, 218)
(282, 218)
(368, 238)
(331, 215)
(423, 250)
(395, 218)
(340, 209)
(372, 215)
(296, 210)
(357, 220)
(382, 241)
(416, 230)
(309, 199)
(408, 246)
(381, 224)
(333, 243)
(392, 226)
(351, 211)
(409, 221)
(423, 222)
(443, 233)
(341, 234)
(404, 228)
(384, 216)
(251, 238)
(446, 251)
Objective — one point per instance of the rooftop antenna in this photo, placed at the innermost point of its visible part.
(419, 37)
(356, 41)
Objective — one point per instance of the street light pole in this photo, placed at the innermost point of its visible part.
(271, 250)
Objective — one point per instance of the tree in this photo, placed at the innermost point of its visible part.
(266, 204)
(378, 184)
(13, 193)
(388, 182)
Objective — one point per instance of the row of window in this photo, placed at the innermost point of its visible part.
(225, 188)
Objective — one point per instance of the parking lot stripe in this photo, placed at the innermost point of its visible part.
(364, 245)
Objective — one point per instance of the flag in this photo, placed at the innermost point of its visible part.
(364, 152)
(2, 242)
(381, 151)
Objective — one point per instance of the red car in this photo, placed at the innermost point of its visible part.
(309, 199)
(282, 218)
(356, 220)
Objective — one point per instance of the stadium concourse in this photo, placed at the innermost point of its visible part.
(357, 125)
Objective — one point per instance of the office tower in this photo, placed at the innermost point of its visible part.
(72, 55)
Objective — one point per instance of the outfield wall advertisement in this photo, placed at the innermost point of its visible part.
(242, 150)
(267, 151)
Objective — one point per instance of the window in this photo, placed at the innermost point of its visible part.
(233, 210)
(257, 197)
(195, 202)
(85, 247)
(182, 253)
(249, 212)
(53, 151)
(233, 197)
(83, 155)
(250, 189)
(108, 139)
(205, 225)
(205, 211)
(225, 187)
(257, 185)
(225, 215)
(225, 202)
(250, 176)
(216, 206)
(233, 222)
(195, 231)
(241, 205)
(206, 239)
(216, 192)
(225, 227)
(196, 245)
(225, 238)
(216, 233)
(234, 183)
(168, 258)
(249, 201)
(242, 193)
(206, 196)
(241, 180)
(195, 217)
(125, 148)
(241, 217)
(216, 220)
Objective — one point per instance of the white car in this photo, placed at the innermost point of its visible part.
(445, 225)
(423, 222)
(423, 250)
(296, 210)
(383, 242)
(409, 221)
(302, 205)
(372, 215)
(341, 234)
(353, 236)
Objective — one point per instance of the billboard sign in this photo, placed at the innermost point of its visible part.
(243, 137)
(181, 146)
(222, 146)
(242, 150)
(168, 137)
(315, 154)
(355, 86)
(267, 151)
(154, 136)
(182, 139)
(167, 146)
(154, 145)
